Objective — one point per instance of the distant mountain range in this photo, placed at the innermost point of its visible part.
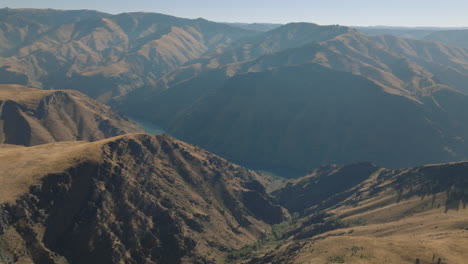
(255, 26)
(390, 100)
(303, 95)
(344, 110)
(451, 36)
(101, 55)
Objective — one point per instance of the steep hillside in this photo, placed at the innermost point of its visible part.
(324, 186)
(301, 117)
(279, 117)
(291, 35)
(255, 48)
(31, 117)
(130, 199)
(409, 216)
(404, 65)
(106, 56)
(448, 65)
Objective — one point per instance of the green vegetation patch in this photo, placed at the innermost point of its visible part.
(263, 245)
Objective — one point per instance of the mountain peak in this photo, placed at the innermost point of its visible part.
(32, 116)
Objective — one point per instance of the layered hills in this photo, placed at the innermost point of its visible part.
(31, 116)
(292, 99)
(130, 199)
(153, 199)
(398, 63)
(320, 95)
(174, 72)
(20, 26)
(361, 213)
(301, 117)
(450, 36)
(104, 55)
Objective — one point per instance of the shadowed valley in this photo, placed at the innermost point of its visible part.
(346, 117)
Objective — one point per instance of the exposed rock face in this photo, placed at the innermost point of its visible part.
(130, 199)
(31, 117)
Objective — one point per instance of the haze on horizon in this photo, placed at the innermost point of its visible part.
(417, 13)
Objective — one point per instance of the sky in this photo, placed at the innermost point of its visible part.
(410, 13)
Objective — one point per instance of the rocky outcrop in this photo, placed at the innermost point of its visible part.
(132, 199)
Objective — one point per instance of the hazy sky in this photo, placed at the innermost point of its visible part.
(448, 13)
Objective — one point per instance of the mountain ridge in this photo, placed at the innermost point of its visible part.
(31, 116)
(309, 100)
(376, 215)
(130, 198)
(112, 54)
(401, 68)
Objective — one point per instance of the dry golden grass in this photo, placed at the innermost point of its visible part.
(415, 215)
(22, 167)
(21, 93)
(384, 229)
(43, 116)
(185, 184)
(432, 234)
